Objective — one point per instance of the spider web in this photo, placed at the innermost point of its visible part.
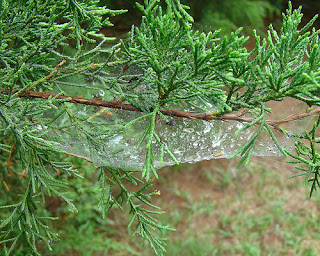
(109, 143)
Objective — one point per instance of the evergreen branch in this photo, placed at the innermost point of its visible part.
(145, 222)
(177, 66)
(235, 116)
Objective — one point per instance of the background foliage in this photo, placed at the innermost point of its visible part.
(211, 15)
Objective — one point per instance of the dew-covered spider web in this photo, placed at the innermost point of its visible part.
(102, 135)
(110, 143)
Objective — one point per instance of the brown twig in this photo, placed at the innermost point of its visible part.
(234, 116)
(48, 77)
(78, 156)
(5, 186)
(80, 100)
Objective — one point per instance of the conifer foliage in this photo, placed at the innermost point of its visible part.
(54, 61)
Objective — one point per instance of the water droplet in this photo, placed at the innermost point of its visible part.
(101, 93)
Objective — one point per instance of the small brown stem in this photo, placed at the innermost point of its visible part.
(5, 186)
(234, 116)
(55, 69)
(78, 156)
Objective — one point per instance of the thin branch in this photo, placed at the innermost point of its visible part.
(48, 77)
(78, 156)
(234, 116)
(55, 69)
(79, 100)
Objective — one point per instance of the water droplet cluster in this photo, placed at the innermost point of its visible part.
(190, 140)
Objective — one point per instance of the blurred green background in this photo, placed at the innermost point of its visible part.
(227, 15)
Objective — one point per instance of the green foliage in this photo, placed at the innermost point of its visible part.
(171, 66)
(32, 38)
(229, 15)
(136, 200)
(210, 15)
(308, 155)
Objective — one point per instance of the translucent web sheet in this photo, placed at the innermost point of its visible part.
(190, 140)
(108, 143)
